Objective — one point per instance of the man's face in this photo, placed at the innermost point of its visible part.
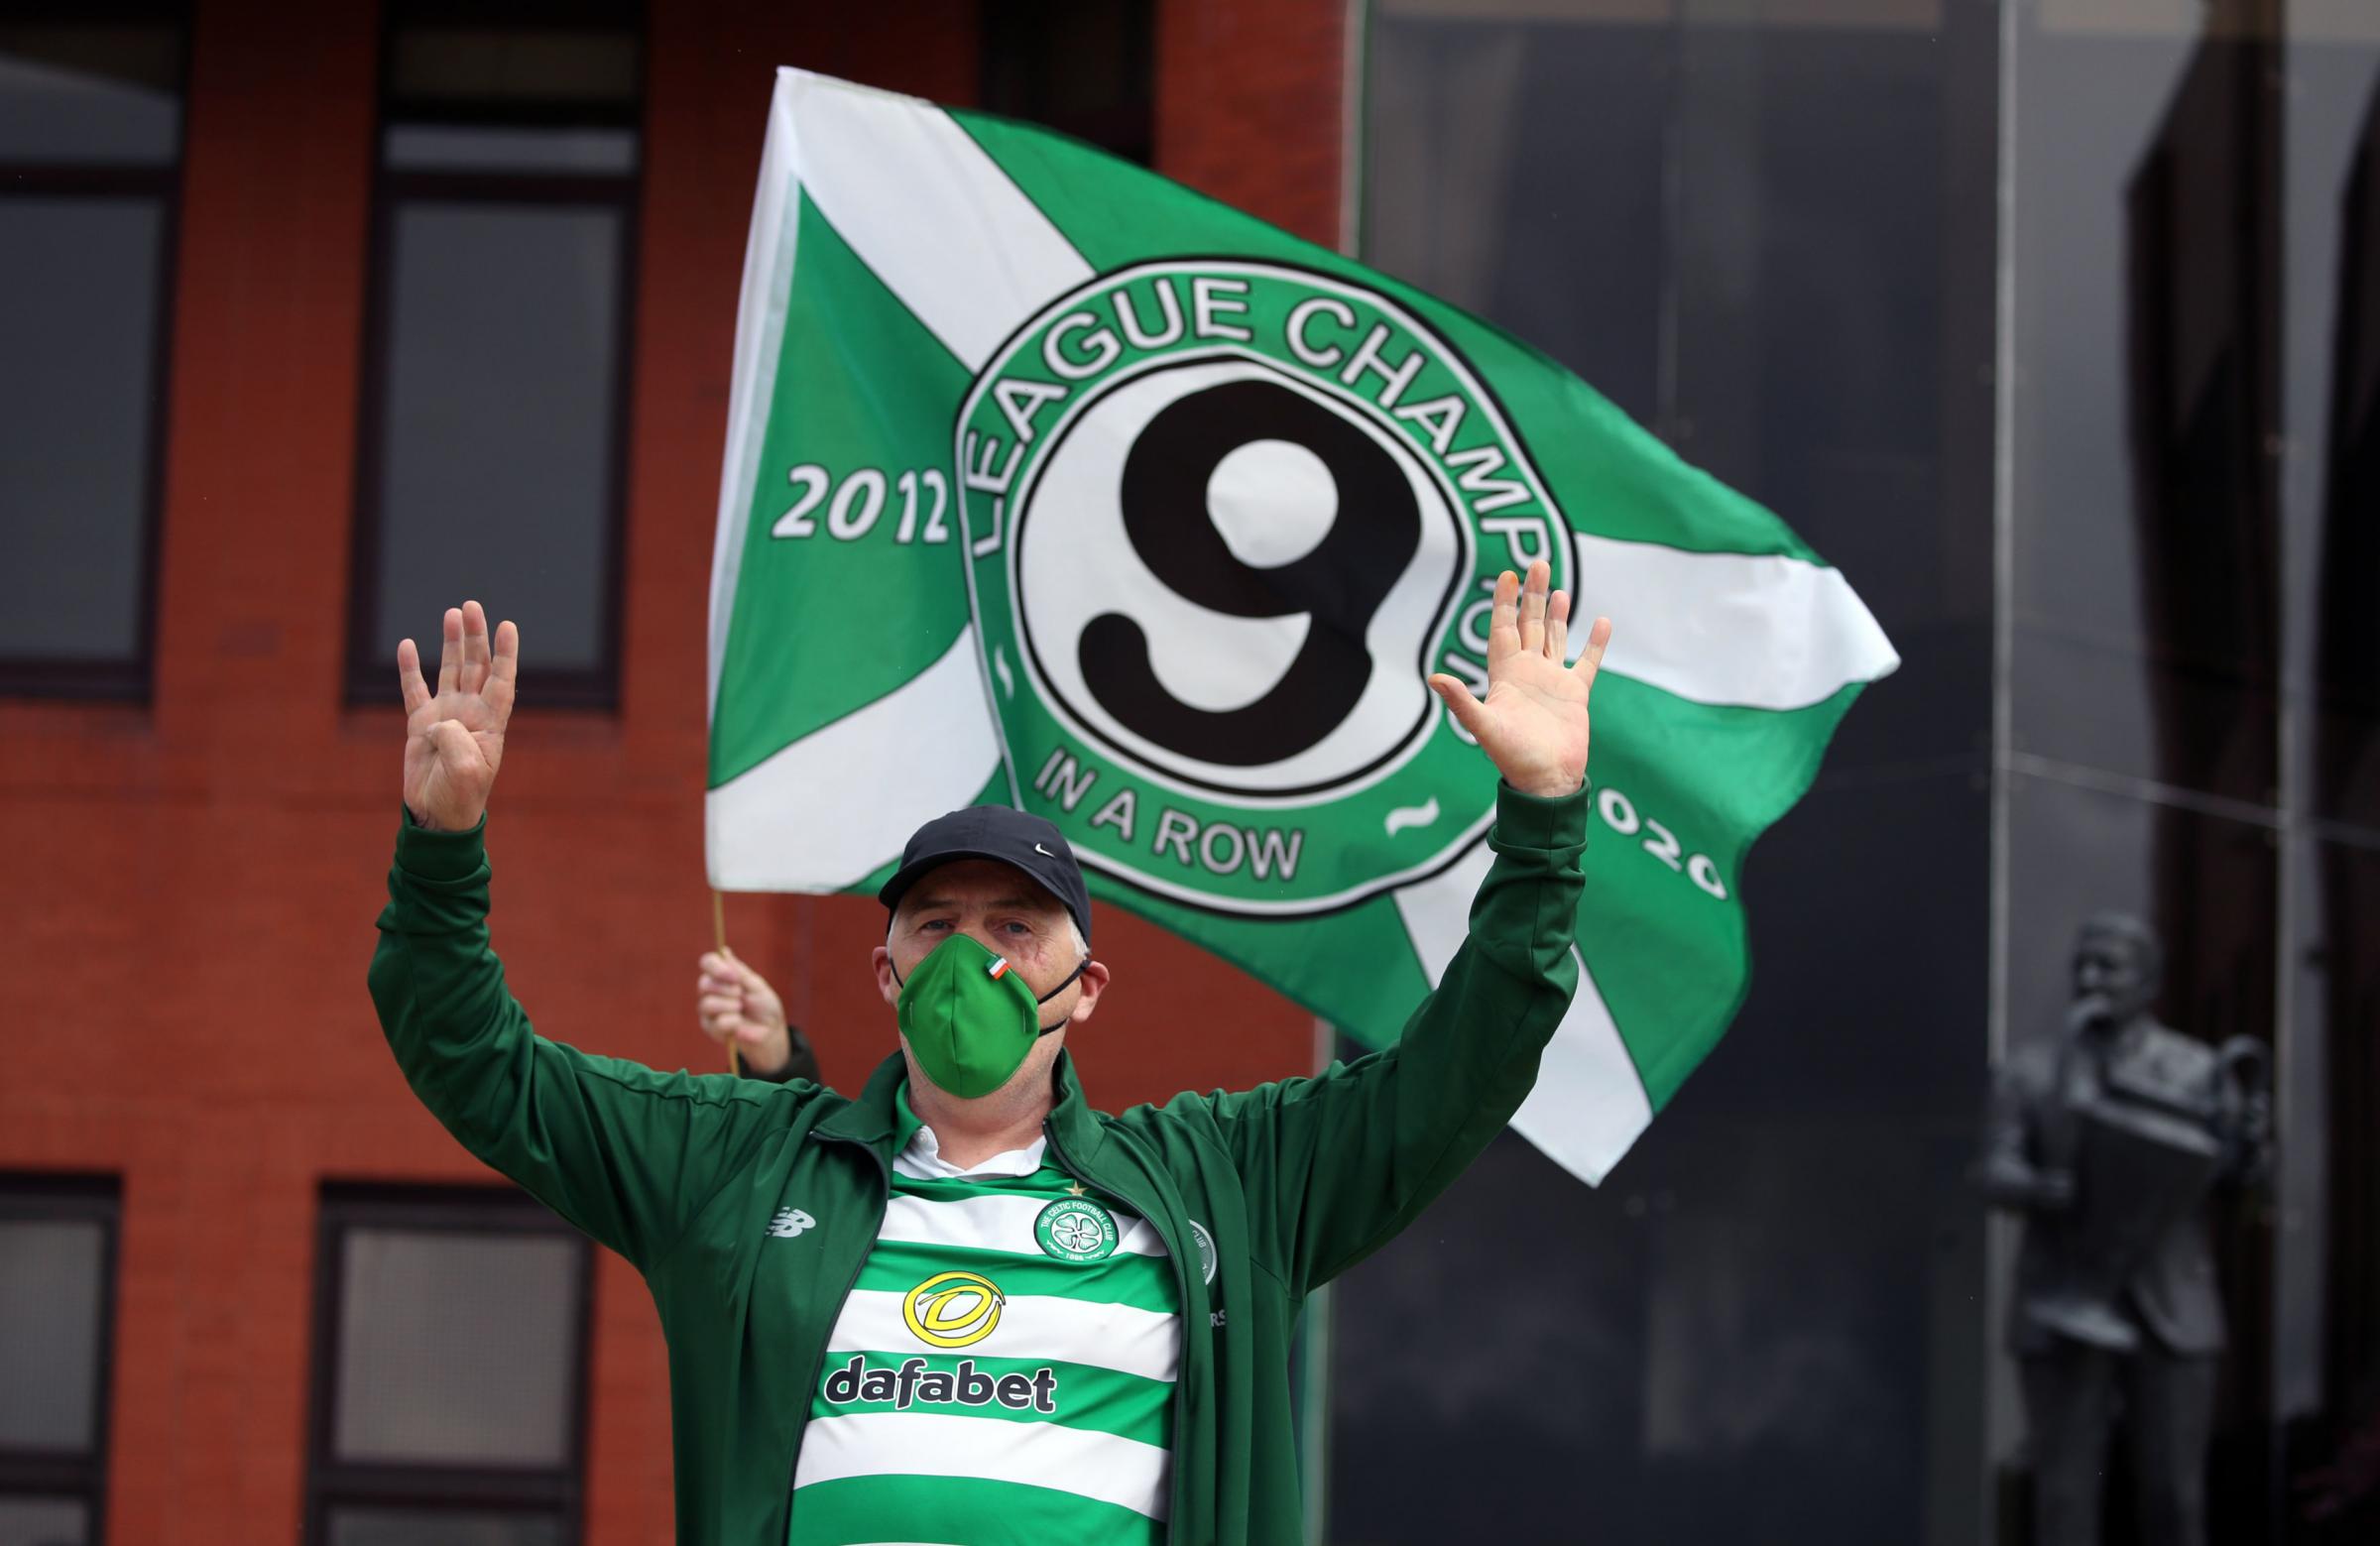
(2110, 966)
(1005, 910)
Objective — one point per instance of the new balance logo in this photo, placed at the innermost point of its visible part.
(790, 1221)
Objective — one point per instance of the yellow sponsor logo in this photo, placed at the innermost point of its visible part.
(953, 1309)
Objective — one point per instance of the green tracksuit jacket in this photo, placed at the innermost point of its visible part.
(680, 1173)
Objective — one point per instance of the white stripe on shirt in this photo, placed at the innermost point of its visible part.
(1120, 1337)
(1124, 1472)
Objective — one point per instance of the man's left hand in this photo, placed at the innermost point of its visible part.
(736, 1008)
(1533, 722)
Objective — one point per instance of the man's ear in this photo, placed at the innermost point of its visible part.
(1095, 983)
(885, 984)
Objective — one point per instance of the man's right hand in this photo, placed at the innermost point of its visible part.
(454, 742)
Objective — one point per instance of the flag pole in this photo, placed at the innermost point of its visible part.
(735, 1063)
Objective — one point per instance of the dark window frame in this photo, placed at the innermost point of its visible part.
(371, 659)
(1014, 65)
(332, 1484)
(132, 679)
(82, 1199)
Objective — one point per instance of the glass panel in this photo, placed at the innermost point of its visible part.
(1718, 1344)
(1773, 244)
(90, 96)
(2331, 391)
(78, 281)
(51, 1295)
(1540, 1281)
(43, 1521)
(1667, 208)
(1765, 1324)
(484, 147)
(1527, 183)
(497, 427)
(2145, 497)
(1759, 236)
(436, 1361)
(2328, 1332)
(2347, 1106)
(440, 1528)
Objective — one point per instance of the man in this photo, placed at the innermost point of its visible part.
(2108, 1141)
(965, 1307)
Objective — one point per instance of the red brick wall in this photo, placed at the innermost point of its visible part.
(1249, 106)
(183, 941)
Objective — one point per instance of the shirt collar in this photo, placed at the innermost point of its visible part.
(905, 1121)
(920, 1156)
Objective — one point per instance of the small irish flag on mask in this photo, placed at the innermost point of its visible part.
(998, 969)
(1155, 519)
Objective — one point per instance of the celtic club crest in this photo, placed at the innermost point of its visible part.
(1075, 1228)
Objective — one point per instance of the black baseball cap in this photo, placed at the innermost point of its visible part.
(1010, 836)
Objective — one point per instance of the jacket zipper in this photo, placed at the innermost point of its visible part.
(818, 1360)
(1182, 1288)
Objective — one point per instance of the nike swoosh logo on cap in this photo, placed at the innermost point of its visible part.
(1038, 849)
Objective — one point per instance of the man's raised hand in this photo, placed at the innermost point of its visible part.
(1533, 722)
(454, 742)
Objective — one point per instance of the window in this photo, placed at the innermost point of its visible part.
(1085, 67)
(90, 165)
(57, 1277)
(491, 447)
(443, 1411)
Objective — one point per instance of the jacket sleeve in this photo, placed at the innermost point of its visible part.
(625, 1154)
(1333, 1165)
(801, 1063)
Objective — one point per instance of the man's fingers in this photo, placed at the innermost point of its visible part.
(454, 745)
(450, 650)
(409, 676)
(1504, 618)
(496, 690)
(1557, 628)
(1590, 659)
(1532, 607)
(507, 661)
(475, 647)
(1458, 701)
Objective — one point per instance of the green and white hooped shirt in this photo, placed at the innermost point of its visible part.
(1001, 1371)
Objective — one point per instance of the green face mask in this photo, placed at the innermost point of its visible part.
(970, 1016)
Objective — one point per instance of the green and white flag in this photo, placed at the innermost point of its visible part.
(1049, 482)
